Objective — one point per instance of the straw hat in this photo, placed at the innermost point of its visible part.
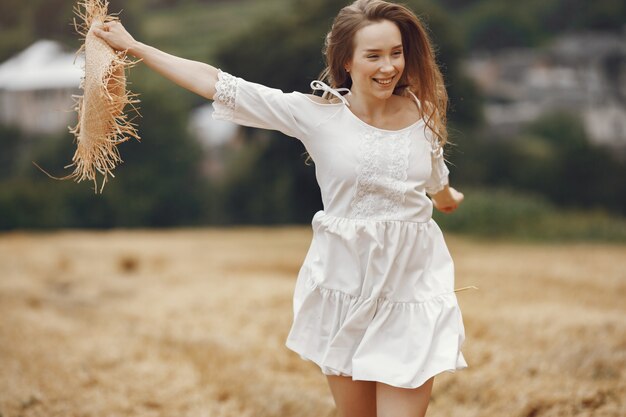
(102, 123)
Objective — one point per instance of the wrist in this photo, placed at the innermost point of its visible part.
(136, 49)
(444, 191)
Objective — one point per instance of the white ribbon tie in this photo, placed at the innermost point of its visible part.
(320, 85)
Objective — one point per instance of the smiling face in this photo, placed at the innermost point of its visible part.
(378, 60)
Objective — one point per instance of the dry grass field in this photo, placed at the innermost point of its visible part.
(193, 323)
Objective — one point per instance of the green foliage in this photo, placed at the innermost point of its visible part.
(553, 158)
(24, 22)
(497, 29)
(196, 29)
(503, 213)
(578, 173)
(160, 180)
(272, 54)
(465, 102)
(570, 15)
(193, 28)
(12, 12)
(493, 24)
(10, 140)
(268, 183)
(274, 185)
(457, 5)
(159, 183)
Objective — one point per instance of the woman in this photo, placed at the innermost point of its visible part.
(374, 304)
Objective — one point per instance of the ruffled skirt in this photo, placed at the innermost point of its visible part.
(375, 300)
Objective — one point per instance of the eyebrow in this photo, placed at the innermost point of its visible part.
(377, 50)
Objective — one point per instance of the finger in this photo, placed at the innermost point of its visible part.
(101, 33)
(101, 26)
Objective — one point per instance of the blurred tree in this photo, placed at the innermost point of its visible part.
(604, 15)
(465, 101)
(578, 173)
(52, 19)
(553, 158)
(10, 141)
(275, 185)
(11, 13)
(457, 5)
(268, 183)
(497, 25)
(282, 51)
(28, 198)
(130, 12)
(22, 23)
(483, 23)
(15, 27)
(159, 183)
(569, 15)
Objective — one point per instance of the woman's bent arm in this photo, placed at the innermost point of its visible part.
(447, 199)
(195, 76)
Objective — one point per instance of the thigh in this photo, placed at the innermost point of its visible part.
(353, 398)
(403, 402)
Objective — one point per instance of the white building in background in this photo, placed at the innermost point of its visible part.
(209, 132)
(215, 136)
(583, 73)
(36, 88)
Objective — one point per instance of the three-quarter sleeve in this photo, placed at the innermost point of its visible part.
(255, 105)
(439, 174)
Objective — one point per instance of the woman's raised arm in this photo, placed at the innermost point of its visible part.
(195, 76)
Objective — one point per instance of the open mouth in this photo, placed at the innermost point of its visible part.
(384, 81)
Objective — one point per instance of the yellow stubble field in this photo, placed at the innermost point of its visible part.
(192, 322)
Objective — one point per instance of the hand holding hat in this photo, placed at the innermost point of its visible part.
(102, 122)
(115, 35)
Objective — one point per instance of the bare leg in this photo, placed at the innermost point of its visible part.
(403, 402)
(353, 398)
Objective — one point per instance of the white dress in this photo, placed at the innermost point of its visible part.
(375, 297)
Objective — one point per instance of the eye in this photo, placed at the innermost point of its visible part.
(372, 56)
(397, 53)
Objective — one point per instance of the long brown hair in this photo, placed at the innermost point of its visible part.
(421, 74)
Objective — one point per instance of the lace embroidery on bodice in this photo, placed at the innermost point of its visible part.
(381, 174)
(225, 93)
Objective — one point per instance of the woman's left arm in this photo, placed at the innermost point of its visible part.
(447, 200)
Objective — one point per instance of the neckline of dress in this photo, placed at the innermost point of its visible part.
(363, 122)
(320, 85)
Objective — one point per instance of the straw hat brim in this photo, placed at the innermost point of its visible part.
(102, 122)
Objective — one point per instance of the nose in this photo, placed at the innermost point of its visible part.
(386, 66)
